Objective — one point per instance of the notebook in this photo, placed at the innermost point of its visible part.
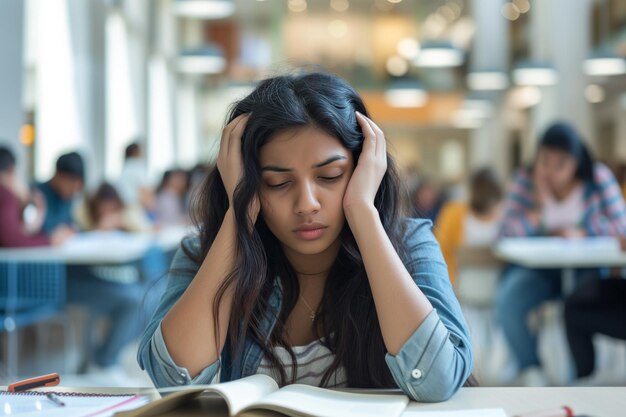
(37, 404)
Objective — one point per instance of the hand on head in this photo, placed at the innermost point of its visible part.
(371, 166)
(230, 162)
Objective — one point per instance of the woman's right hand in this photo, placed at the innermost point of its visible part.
(230, 161)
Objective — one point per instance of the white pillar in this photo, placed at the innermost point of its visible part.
(161, 90)
(560, 34)
(488, 144)
(87, 29)
(11, 72)
(58, 116)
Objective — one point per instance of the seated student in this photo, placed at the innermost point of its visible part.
(476, 222)
(305, 269)
(133, 184)
(170, 206)
(113, 292)
(596, 307)
(15, 230)
(105, 210)
(427, 199)
(61, 191)
(563, 194)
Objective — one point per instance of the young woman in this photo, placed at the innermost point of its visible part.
(563, 194)
(304, 268)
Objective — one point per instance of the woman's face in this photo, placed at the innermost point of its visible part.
(305, 172)
(558, 168)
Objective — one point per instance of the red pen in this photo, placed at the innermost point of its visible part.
(555, 412)
(49, 380)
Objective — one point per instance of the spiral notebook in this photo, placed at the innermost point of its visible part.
(37, 404)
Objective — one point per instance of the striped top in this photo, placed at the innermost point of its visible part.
(312, 361)
(603, 206)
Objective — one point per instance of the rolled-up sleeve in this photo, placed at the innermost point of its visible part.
(152, 354)
(437, 359)
(174, 374)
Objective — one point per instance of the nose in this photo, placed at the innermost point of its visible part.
(307, 201)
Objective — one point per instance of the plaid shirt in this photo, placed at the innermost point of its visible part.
(603, 202)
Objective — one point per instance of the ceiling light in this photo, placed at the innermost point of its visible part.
(204, 60)
(604, 62)
(487, 80)
(406, 93)
(438, 54)
(204, 9)
(535, 74)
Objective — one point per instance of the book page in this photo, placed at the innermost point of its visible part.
(304, 400)
(241, 393)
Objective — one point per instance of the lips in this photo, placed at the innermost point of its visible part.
(310, 231)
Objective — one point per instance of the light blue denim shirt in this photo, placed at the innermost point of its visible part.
(431, 366)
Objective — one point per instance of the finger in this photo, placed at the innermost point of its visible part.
(369, 137)
(224, 140)
(234, 143)
(226, 136)
(381, 144)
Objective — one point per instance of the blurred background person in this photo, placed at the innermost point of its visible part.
(104, 210)
(426, 199)
(133, 185)
(171, 204)
(475, 222)
(564, 193)
(22, 211)
(61, 191)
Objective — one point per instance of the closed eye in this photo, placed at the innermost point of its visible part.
(278, 186)
(331, 179)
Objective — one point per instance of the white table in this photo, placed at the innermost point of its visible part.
(592, 401)
(564, 254)
(98, 248)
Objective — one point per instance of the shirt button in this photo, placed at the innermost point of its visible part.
(416, 373)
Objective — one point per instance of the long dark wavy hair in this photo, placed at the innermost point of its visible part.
(347, 319)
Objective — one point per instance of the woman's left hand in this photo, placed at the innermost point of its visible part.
(370, 169)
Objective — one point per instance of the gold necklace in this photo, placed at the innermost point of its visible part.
(312, 316)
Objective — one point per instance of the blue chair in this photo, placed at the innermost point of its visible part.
(30, 293)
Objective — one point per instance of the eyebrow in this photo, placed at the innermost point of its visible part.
(321, 164)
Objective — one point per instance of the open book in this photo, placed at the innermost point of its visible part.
(259, 395)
